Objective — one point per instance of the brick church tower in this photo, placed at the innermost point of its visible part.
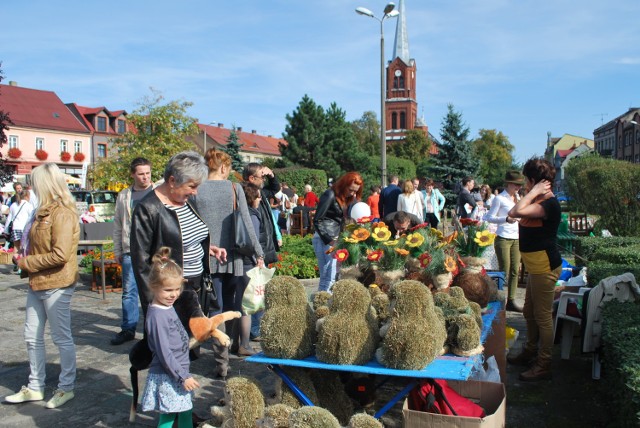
(401, 105)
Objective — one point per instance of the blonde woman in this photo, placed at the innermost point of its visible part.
(51, 263)
(410, 201)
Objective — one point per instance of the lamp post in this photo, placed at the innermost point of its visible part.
(388, 12)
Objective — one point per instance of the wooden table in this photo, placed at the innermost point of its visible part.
(100, 243)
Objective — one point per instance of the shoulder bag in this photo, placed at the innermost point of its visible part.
(9, 230)
(242, 241)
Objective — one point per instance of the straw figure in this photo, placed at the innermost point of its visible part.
(313, 417)
(302, 378)
(244, 404)
(363, 420)
(332, 395)
(474, 286)
(349, 334)
(380, 302)
(321, 306)
(288, 324)
(463, 321)
(276, 416)
(414, 335)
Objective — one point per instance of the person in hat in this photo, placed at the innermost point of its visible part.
(507, 244)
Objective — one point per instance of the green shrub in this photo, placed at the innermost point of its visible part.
(621, 354)
(586, 246)
(598, 270)
(629, 255)
(296, 257)
(298, 245)
(297, 177)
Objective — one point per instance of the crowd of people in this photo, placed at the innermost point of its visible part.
(175, 241)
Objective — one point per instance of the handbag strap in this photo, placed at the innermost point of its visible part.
(233, 190)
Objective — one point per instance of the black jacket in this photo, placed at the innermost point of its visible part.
(154, 226)
(270, 246)
(329, 217)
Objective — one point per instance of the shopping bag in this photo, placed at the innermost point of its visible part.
(253, 298)
(436, 396)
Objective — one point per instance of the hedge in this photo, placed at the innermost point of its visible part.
(621, 352)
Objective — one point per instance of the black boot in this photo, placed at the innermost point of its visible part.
(512, 306)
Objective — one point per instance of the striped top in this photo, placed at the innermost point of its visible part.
(194, 231)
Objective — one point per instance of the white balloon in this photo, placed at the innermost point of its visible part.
(360, 210)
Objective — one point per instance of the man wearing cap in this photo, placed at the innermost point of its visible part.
(507, 243)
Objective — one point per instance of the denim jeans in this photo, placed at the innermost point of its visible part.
(327, 264)
(255, 323)
(53, 306)
(130, 311)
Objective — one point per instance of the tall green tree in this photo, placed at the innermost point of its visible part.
(456, 157)
(367, 133)
(5, 121)
(495, 154)
(320, 139)
(159, 131)
(414, 147)
(233, 148)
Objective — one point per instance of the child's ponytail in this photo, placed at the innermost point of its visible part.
(163, 269)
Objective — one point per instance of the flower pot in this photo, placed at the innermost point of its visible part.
(474, 264)
(442, 280)
(386, 278)
(14, 153)
(78, 157)
(65, 156)
(41, 155)
(350, 272)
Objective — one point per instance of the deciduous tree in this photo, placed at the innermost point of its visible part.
(367, 132)
(158, 131)
(5, 121)
(495, 154)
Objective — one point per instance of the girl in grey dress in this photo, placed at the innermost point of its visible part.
(169, 387)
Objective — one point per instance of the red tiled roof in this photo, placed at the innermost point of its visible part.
(83, 113)
(33, 108)
(250, 141)
(564, 153)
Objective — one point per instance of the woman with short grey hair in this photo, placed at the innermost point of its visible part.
(167, 218)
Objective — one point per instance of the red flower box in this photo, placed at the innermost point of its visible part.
(65, 156)
(14, 153)
(78, 156)
(42, 155)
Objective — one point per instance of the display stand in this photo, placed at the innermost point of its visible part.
(448, 366)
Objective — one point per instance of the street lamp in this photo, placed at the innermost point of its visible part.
(388, 12)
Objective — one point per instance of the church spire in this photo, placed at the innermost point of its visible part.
(401, 44)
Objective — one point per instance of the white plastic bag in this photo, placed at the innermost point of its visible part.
(490, 374)
(253, 298)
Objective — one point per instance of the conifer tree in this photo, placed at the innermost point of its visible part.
(456, 157)
(233, 148)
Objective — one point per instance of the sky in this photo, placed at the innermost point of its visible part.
(522, 67)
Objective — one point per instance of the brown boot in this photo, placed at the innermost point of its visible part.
(536, 372)
(524, 358)
(512, 306)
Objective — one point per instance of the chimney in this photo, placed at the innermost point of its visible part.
(253, 131)
(13, 83)
(239, 128)
(220, 125)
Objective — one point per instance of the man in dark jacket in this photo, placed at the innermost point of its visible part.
(400, 222)
(466, 203)
(388, 202)
(264, 178)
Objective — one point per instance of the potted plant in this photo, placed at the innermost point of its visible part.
(42, 155)
(14, 153)
(78, 156)
(65, 156)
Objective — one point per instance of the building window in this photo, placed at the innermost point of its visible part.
(39, 143)
(122, 126)
(403, 120)
(102, 124)
(102, 150)
(394, 120)
(13, 141)
(64, 145)
(77, 147)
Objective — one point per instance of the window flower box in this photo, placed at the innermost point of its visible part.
(42, 155)
(78, 156)
(65, 156)
(14, 153)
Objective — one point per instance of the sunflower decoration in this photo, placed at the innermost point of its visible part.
(450, 264)
(474, 239)
(414, 240)
(374, 255)
(425, 260)
(341, 255)
(381, 234)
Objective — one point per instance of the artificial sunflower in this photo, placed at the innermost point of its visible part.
(437, 233)
(374, 255)
(341, 255)
(360, 234)
(484, 238)
(414, 240)
(351, 240)
(450, 264)
(402, 252)
(381, 234)
(391, 243)
(364, 220)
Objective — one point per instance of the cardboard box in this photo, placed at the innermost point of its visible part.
(496, 344)
(491, 396)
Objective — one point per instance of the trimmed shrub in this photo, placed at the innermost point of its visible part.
(597, 271)
(621, 353)
(297, 177)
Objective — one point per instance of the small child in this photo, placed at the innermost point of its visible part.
(169, 384)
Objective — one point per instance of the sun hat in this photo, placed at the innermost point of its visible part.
(515, 177)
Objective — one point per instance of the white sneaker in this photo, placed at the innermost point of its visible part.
(59, 398)
(25, 394)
